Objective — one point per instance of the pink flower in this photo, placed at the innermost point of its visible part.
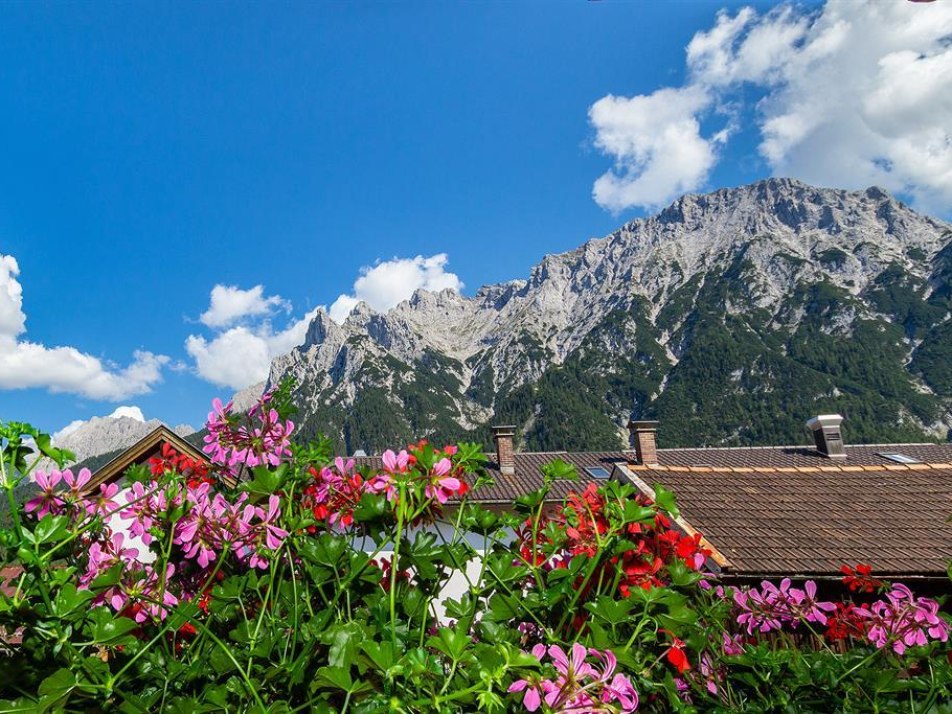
(274, 536)
(48, 501)
(395, 463)
(104, 554)
(263, 439)
(732, 645)
(265, 533)
(902, 620)
(144, 504)
(576, 667)
(622, 691)
(77, 483)
(532, 698)
(102, 504)
(441, 486)
(807, 604)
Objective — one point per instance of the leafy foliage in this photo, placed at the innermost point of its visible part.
(315, 586)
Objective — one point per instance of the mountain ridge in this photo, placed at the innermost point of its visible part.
(778, 259)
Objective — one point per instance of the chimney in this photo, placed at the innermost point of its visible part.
(644, 440)
(503, 435)
(827, 435)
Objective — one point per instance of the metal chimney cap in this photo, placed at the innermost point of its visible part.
(506, 430)
(823, 421)
(643, 425)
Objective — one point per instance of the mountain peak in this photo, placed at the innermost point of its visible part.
(618, 321)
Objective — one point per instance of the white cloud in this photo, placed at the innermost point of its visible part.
(229, 304)
(131, 412)
(390, 282)
(241, 355)
(61, 369)
(657, 145)
(854, 94)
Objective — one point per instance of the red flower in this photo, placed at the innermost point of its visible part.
(844, 623)
(860, 579)
(677, 657)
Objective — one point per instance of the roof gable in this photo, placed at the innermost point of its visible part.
(140, 452)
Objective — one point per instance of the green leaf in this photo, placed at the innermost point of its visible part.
(108, 628)
(381, 654)
(58, 684)
(69, 599)
(614, 612)
(666, 500)
(265, 481)
(451, 642)
(335, 678)
(559, 470)
(344, 641)
(220, 661)
(50, 529)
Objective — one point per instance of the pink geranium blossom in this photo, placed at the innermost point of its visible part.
(441, 486)
(902, 620)
(580, 685)
(48, 501)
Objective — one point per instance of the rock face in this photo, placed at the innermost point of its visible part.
(731, 316)
(104, 435)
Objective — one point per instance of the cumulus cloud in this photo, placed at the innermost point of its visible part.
(390, 282)
(657, 145)
(229, 304)
(241, 355)
(62, 369)
(853, 94)
(131, 412)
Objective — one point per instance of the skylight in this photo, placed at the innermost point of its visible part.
(597, 472)
(900, 458)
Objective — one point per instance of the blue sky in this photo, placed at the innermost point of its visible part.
(149, 153)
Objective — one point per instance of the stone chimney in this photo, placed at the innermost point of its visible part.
(644, 440)
(503, 436)
(827, 435)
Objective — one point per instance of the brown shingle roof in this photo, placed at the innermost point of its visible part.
(862, 455)
(812, 523)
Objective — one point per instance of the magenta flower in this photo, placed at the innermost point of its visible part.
(274, 536)
(266, 533)
(102, 504)
(48, 501)
(808, 606)
(144, 505)
(532, 698)
(264, 440)
(580, 686)
(77, 483)
(441, 486)
(395, 463)
(902, 620)
(104, 554)
(732, 645)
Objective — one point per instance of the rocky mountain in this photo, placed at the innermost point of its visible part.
(111, 434)
(731, 317)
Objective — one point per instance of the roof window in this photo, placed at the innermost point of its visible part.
(598, 472)
(900, 458)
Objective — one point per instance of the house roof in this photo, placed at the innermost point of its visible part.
(785, 510)
(773, 521)
(859, 455)
(142, 451)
